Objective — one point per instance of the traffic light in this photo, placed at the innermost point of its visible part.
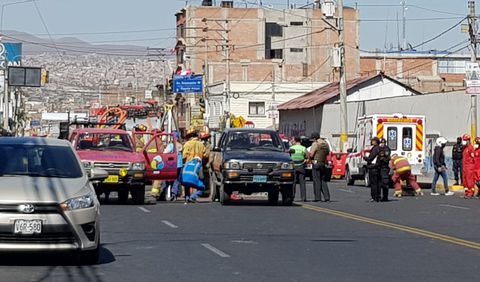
(201, 103)
(45, 77)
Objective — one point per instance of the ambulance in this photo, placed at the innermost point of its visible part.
(405, 135)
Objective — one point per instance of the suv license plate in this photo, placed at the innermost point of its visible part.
(28, 226)
(111, 179)
(260, 178)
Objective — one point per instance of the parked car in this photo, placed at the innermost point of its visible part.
(47, 202)
(112, 150)
(252, 161)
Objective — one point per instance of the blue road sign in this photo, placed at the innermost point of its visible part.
(187, 84)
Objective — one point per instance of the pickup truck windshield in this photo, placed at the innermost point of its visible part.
(104, 141)
(242, 140)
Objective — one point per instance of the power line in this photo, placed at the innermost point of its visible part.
(440, 34)
(411, 19)
(45, 26)
(107, 32)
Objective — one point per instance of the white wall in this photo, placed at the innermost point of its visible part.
(379, 89)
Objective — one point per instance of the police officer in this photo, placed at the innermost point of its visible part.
(299, 157)
(457, 156)
(383, 163)
(318, 153)
(375, 162)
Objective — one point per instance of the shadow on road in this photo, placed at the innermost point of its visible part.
(51, 258)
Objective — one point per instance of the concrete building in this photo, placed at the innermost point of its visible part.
(427, 72)
(256, 52)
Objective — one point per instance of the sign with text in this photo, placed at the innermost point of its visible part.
(10, 55)
(472, 78)
(188, 84)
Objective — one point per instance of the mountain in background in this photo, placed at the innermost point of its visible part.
(33, 45)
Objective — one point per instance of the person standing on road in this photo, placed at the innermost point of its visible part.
(457, 156)
(383, 161)
(477, 166)
(440, 167)
(299, 158)
(468, 166)
(318, 153)
(373, 170)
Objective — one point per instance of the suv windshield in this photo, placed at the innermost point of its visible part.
(242, 140)
(104, 141)
(39, 160)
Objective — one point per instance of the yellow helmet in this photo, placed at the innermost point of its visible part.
(140, 127)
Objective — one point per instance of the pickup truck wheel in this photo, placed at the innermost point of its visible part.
(138, 194)
(123, 196)
(224, 196)
(273, 198)
(348, 177)
(287, 195)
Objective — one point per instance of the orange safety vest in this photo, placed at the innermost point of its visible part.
(401, 165)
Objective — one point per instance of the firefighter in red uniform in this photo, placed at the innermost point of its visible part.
(477, 166)
(469, 175)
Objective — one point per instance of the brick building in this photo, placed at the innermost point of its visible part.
(427, 72)
(263, 45)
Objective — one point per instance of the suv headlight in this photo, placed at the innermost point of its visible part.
(87, 164)
(138, 166)
(286, 166)
(82, 202)
(231, 165)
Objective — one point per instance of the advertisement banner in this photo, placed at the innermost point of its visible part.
(13, 53)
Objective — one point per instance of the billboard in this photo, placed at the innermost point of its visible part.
(25, 76)
(472, 78)
(10, 54)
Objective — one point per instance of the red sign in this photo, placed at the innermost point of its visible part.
(249, 124)
(473, 90)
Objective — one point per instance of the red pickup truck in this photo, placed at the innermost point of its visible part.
(112, 150)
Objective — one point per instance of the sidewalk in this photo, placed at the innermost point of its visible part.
(426, 183)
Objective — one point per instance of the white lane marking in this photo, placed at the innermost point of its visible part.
(455, 207)
(144, 209)
(245, 242)
(168, 223)
(215, 250)
(348, 191)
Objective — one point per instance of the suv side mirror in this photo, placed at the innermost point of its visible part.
(216, 149)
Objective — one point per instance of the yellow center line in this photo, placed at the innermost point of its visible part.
(407, 229)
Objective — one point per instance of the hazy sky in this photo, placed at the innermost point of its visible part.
(152, 22)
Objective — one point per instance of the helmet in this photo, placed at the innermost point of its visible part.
(191, 132)
(204, 135)
(477, 140)
(140, 127)
(441, 141)
(376, 140)
(383, 140)
(466, 137)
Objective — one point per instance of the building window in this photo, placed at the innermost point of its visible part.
(305, 69)
(274, 54)
(256, 108)
(451, 66)
(273, 29)
(296, 23)
(296, 50)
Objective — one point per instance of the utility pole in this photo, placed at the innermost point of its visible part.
(343, 81)
(404, 23)
(227, 80)
(472, 19)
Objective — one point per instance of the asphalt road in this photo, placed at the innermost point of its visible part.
(350, 239)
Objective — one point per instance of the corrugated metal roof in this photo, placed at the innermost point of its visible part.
(321, 95)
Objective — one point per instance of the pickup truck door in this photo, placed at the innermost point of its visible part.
(161, 156)
(218, 156)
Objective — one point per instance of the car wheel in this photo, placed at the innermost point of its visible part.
(224, 196)
(348, 177)
(366, 178)
(90, 257)
(273, 197)
(123, 196)
(287, 195)
(138, 194)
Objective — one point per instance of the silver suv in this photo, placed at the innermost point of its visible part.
(47, 202)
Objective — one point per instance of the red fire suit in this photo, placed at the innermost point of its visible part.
(469, 170)
(403, 172)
